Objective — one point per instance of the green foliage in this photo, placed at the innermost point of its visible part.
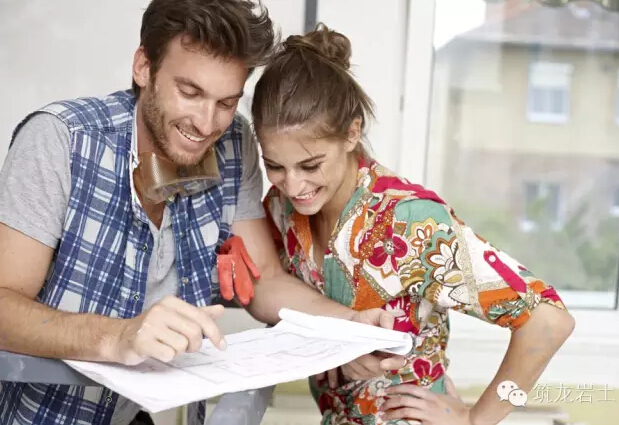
(582, 253)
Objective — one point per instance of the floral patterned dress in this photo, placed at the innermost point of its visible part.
(399, 247)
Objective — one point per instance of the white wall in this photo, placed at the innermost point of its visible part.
(377, 33)
(63, 49)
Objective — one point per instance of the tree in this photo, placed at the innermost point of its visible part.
(580, 253)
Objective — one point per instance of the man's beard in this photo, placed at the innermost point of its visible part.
(154, 121)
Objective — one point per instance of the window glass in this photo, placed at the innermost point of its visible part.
(523, 135)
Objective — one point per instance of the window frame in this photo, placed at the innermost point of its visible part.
(617, 99)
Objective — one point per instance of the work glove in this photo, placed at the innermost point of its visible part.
(234, 266)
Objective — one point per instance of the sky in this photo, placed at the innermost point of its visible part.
(454, 17)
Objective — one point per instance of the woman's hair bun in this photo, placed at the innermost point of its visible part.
(325, 42)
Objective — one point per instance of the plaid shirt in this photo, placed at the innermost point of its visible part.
(100, 265)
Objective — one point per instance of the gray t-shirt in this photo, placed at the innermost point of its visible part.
(35, 184)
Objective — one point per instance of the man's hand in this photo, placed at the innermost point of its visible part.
(168, 328)
(233, 267)
(408, 401)
(370, 365)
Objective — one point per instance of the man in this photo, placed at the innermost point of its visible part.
(115, 211)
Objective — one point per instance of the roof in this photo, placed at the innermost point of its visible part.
(578, 25)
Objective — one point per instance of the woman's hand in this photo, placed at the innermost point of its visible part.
(407, 401)
(370, 365)
(366, 367)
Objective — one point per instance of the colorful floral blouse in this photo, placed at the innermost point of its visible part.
(399, 247)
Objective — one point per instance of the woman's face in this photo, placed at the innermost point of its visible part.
(309, 171)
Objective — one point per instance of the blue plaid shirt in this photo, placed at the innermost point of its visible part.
(101, 263)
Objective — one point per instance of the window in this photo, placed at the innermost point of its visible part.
(539, 192)
(542, 206)
(500, 71)
(549, 92)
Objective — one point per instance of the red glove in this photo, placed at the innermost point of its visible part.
(233, 267)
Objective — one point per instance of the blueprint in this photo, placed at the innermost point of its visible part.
(299, 346)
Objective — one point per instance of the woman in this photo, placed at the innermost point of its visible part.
(367, 238)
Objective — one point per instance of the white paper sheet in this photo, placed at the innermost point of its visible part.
(299, 346)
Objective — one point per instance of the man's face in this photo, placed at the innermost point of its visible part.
(187, 105)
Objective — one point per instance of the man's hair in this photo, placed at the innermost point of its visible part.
(223, 28)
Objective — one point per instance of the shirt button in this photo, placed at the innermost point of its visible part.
(182, 235)
(108, 399)
(136, 297)
(184, 281)
(145, 247)
(492, 258)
